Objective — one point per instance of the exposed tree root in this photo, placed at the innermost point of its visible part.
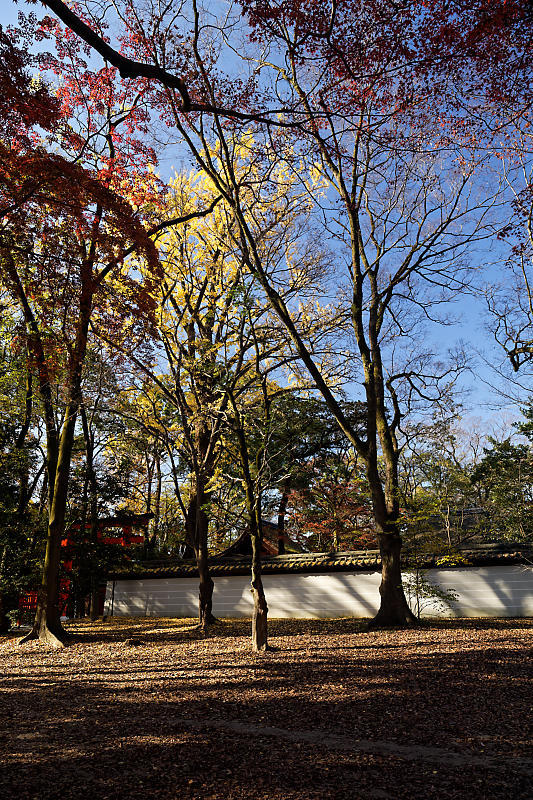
(55, 636)
(208, 621)
(263, 648)
(394, 618)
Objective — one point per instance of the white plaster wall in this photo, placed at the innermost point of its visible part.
(483, 591)
(488, 591)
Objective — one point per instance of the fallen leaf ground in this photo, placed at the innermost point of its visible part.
(332, 712)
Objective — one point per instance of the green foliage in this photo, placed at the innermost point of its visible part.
(437, 495)
(423, 595)
(22, 525)
(504, 478)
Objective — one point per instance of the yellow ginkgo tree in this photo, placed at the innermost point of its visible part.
(218, 341)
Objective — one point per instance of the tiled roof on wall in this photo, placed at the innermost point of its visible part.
(348, 561)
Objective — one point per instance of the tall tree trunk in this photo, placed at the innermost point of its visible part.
(94, 598)
(157, 502)
(47, 625)
(43, 496)
(253, 507)
(24, 472)
(282, 510)
(93, 510)
(260, 612)
(205, 591)
(4, 622)
(152, 531)
(93, 537)
(197, 524)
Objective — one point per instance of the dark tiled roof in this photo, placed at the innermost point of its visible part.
(474, 555)
(242, 546)
(349, 561)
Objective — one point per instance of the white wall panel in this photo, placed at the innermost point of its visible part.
(488, 591)
(483, 591)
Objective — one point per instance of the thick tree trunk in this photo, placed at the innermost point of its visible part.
(205, 593)
(47, 626)
(394, 609)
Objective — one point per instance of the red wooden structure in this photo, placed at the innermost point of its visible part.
(125, 530)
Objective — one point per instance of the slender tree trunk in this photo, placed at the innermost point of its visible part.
(79, 604)
(253, 507)
(152, 531)
(4, 622)
(197, 524)
(93, 510)
(42, 499)
(93, 536)
(94, 598)
(24, 473)
(260, 612)
(157, 502)
(80, 559)
(149, 478)
(282, 510)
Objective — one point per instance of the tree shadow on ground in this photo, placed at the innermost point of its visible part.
(175, 630)
(77, 725)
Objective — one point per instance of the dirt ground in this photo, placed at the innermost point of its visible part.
(331, 712)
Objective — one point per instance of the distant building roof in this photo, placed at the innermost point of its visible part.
(242, 546)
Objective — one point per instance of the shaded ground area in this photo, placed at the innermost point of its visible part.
(332, 712)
